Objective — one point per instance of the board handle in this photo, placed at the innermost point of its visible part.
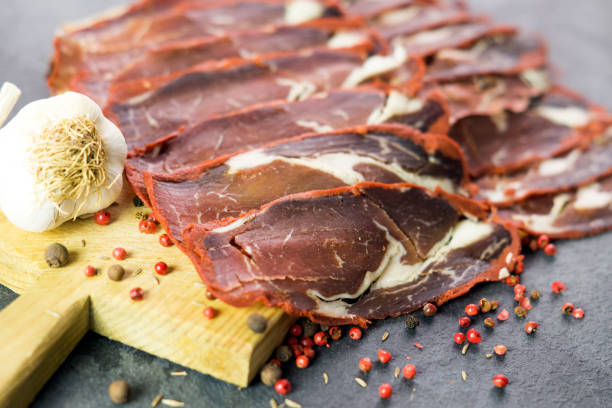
(38, 330)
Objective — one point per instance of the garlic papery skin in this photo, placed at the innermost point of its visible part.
(23, 198)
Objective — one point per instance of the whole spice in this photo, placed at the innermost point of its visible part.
(473, 336)
(295, 330)
(257, 323)
(270, 374)
(276, 362)
(459, 338)
(500, 349)
(136, 293)
(567, 308)
(558, 287)
(310, 328)
(283, 353)
(535, 294)
(115, 272)
(503, 315)
(119, 391)
(385, 391)
(429, 309)
(209, 312)
(484, 304)
(500, 381)
(471, 310)
(578, 313)
(306, 342)
(56, 255)
(494, 304)
(209, 295)
(355, 333)
(519, 267)
(102, 217)
(89, 271)
(164, 240)
(161, 268)
(119, 254)
(320, 338)
(489, 322)
(137, 202)
(297, 349)
(282, 386)
(530, 327)
(520, 311)
(550, 249)
(292, 340)
(465, 321)
(384, 356)
(309, 352)
(147, 226)
(543, 240)
(409, 371)
(365, 364)
(412, 322)
(302, 361)
(335, 333)
(512, 280)
(519, 290)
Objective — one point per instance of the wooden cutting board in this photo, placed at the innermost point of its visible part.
(57, 306)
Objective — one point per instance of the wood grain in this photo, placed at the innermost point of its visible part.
(168, 322)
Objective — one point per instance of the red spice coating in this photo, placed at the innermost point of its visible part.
(136, 293)
(385, 391)
(302, 361)
(409, 371)
(102, 217)
(297, 350)
(459, 338)
(500, 381)
(472, 309)
(164, 240)
(473, 336)
(161, 268)
(384, 356)
(365, 364)
(355, 333)
(282, 386)
(465, 321)
(119, 254)
(89, 270)
(209, 312)
(519, 268)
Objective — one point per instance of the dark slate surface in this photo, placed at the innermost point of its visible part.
(567, 363)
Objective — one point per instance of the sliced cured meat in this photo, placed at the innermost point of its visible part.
(572, 169)
(491, 94)
(494, 55)
(205, 92)
(577, 213)
(353, 254)
(231, 186)
(501, 143)
(257, 126)
(426, 43)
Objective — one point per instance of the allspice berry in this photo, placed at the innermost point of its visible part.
(56, 255)
(412, 322)
(115, 272)
(257, 323)
(119, 391)
(310, 328)
(284, 353)
(270, 374)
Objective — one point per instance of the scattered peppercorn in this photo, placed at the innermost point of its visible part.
(89, 271)
(535, 294)
(257, 323)
(119, 254)
(503, 315)
(384, 356)
(164, 240)
(161, 268)
(365, 364)
(295, 330)
(429, 309)
(306, 342)
(335, 333)
(102, 217)
(412, 322)
(292, 340)
(550, 249)
(418, 345)
(209, 295)
(525, 303)
(320, 338)
(533, 245)
(484, 304)
(297, 350)
(558, 287)
(137, 202)
(500, 349)
(115, 272)
(543, 241)
(578, 313)
(282, 386)
(512, 280)
(465, 321)
(275, 361)
(270, 374)
(473, 336)
(147, 226)
(209, 312)
(500, 381)
(519, 267)
(283, 353)
(309, 352)
(409, 371)
(153, 218)
(520, 311)
(302, 361)
(530, 327)
(136, 293)
(519, 290)
(119, 391)
(489, 322)
(56, 255)
(355, 333)
(385, 391)
(567, 308)
(310, 328)
(471, 309)
(459, 338)
(324, 327)
(494, 304)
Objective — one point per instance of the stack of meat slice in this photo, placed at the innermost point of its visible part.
(346, 160)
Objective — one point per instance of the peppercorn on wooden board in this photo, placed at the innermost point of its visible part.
(57, 306)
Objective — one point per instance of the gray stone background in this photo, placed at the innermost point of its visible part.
(567, 363)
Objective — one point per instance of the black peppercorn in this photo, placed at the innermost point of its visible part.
(412, 322)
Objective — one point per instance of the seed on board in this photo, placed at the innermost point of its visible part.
(396, 373)
(500, 381)
(172, 403)
(115, 272)
(385, 391)
(156, 401)
(365, 364)
(567, 308)
(465, 348)
(292, 404)
(385, 336)
(56, 255)
(530, 327)
(119, 391)
(412, 322)
(270, 374)
(429, 309)
(325, 378)
(257, 323)
(283, 353)
(463, 375)
(489, 355)
(361, 382)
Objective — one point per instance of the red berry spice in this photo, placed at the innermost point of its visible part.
(543, 241)
(533, 245)
(153, 218)
(210, 312)
(473, 336)
(567, 308)
(519, 290)
(385, 391)
(161, 268)
(275, 361)
(309, 352)
(297, 350)
(550, 249)
(335, 333)
(578, 313)
(558, 287)
(500, 349)
(282, 386)
(459, 338)
(89, 270)
(136, 293)
(296, 330)
(409, 371)
(429, 309)
(512, 280)
(503, 315)
(355, 333)
(365, 364)
(302, 361)
(500, 381)
(465, 321)
(292, 340)
(164, 240)
(147, 226)
(489, 322)
(102, 217)
(472, 309)
(320, 338)
(306, 342)
(530, 327)
(519, 268)
(209, 295)
(384, 356)
(119, 254)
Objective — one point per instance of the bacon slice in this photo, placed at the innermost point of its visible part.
(572, 169)
(230, 186)
(353, 254)
(502, 143)
(579, 212)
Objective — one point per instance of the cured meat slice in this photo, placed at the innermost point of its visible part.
(205, 92)
(257, 126)
(493, 55)
(572, 169)
(353, 254)
(426, 43)
(501, 143)
(231, 186)
(491, 94)
(577, 213)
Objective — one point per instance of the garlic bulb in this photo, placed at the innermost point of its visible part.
(59, 158)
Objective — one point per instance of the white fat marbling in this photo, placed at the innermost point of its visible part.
(346, 39)
(401, 16)
(570, 116)
(552, 167)
(298, 90)
(536, 78)
(397, 103)
(300, 11)
(544, 222)
(376, 65)
(590, 197)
